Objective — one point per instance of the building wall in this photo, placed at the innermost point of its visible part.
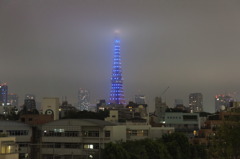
(50, 106)
(158, 132)
(22, 132)
(113, 116)
(8, 148)
(85, 136)
(183, 122)
(117, 133)
(196, 102)
(36, 119)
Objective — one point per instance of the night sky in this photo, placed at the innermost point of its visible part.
(53, 47)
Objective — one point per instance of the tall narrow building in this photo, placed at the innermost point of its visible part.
(3, 94)
(196, 102)
(83, 99)
(116, 93)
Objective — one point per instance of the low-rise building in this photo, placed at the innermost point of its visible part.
(84, 137)
(22, 132)
(183, 122)
(8, 147)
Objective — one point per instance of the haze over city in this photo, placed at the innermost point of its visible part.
(52, 48)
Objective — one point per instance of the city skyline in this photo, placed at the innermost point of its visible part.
(52, 48)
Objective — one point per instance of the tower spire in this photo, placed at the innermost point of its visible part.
(117, 94)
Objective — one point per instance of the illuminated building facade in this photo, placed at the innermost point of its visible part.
(116, 93)
(30, 104)
(3, 94)
(222, 102)
(83, 99)
(196, 102)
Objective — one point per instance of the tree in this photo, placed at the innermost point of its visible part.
(155, 149)
(177, 145)
(225, 144)
(114, 150)
(86, 115)
(136, 149)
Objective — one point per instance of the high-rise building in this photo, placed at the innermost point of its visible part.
(116, 93)
(30, 104)
(83, 99)
(160, 110)
(13, 99)
(3, 94)
(196, 102)
(140, 99)
(223, 102)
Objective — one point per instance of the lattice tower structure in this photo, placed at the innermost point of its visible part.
(117, 93)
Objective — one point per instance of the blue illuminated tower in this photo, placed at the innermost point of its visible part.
(117, 94)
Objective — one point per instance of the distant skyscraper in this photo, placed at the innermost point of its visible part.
(30, 96)
(30, 104)
(160, 109)
(117, 94)
(196, 102)
(223, 102)
(3, 94)
(83, 99)
(140, 99)
(13, 99)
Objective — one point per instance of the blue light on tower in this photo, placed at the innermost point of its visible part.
(117, 94)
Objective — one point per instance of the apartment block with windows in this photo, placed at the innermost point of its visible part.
(22, 132)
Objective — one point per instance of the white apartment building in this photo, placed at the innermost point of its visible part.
(82, 138)
(183, 122)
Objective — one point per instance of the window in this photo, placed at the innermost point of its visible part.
(72, 145)
(91, 146)
(138, 132)
(48, 145)
(17, 132)
(190, 117)
(91, 133)
(59, 130)
(23, 144)
(52, 133)
(71, 133)
(57, 145)
(107, 134)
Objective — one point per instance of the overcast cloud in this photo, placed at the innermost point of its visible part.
(52, 48)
